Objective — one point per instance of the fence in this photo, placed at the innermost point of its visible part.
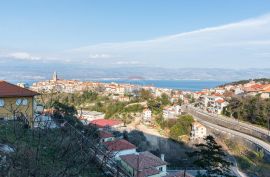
(79, 148)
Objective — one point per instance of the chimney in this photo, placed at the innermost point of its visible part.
(162, 156)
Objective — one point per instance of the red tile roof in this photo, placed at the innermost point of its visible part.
(148, 172)
(105, 122)
(104, 134)
(145, 162)
(266, 90)
(216, 94)
(220, 101)
(10, 90)
(119, 145)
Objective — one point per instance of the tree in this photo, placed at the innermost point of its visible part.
(180, 102)
(145, 94)
(211, 158)
(137, 138)
(64, 113)
(181, 127)
(154, 106)
(164, 99)
(252, 109)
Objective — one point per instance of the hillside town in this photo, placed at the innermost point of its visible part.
(213, 100)
(111, 130)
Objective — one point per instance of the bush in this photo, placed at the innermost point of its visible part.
(182, 127)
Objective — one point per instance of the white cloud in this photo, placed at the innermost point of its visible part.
(97, 56)
(128, 63)
(233, 46)
(22, 56)
(244, 44)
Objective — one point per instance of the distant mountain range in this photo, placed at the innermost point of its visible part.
(38, 70)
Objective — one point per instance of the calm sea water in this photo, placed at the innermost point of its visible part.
(190, 85)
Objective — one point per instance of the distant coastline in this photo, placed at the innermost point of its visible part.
(186, 85)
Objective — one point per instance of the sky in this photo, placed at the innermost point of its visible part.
(172, 34)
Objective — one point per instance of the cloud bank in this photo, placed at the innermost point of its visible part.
(244, 44)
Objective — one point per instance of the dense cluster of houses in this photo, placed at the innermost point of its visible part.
(169, 112)
(251, 88)
(136, 164)
(120, 92)
(142, 164)
(214, 100)
(212, 103)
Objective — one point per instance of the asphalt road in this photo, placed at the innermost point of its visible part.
(256, 141)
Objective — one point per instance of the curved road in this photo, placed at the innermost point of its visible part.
(233, 121)
(257, 141)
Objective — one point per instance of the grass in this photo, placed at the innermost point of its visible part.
(249, 161)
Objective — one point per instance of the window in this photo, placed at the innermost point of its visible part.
(2, 102)
(21, 101)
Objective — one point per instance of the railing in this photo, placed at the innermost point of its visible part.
(229, 120)
(205, 117)
(102, 158)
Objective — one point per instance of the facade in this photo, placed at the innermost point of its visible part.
(144, 164)
(212, 104)
(198, 131)
(147, 115)
(219, 105)
(172, 112)
(16, 102)
(105, 136)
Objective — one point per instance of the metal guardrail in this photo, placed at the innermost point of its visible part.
(231, 120)
(199, 115)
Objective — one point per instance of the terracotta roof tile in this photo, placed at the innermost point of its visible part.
(146, 160)
(105, 122)
(119, 145)
(220, 101)
(104, 134)
(10, 90)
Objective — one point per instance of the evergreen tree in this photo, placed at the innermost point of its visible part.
(211, 158)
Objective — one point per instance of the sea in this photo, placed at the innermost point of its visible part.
(186, 85)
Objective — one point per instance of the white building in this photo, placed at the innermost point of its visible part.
(171, 112)
(147, 115)
(88, 116)
(220, 91)
(238, 91)
(212, 104)
(198, 131)
(219, 106)
(144, 164)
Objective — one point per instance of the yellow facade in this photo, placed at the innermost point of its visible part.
(11, 108)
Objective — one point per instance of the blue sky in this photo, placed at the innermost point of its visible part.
(78, 29)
